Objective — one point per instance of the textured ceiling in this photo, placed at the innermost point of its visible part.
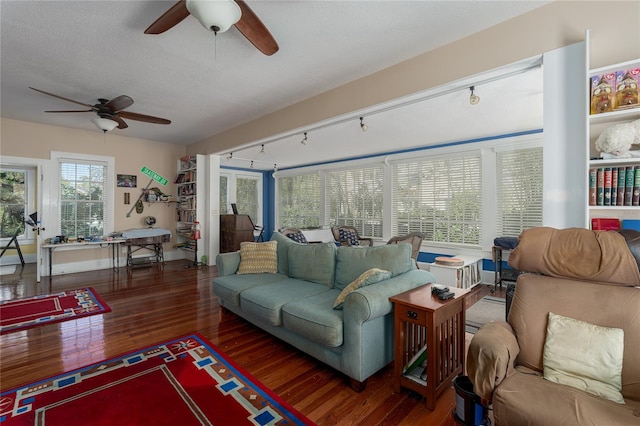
(85, 50)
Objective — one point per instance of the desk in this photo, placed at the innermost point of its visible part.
(114, 244)
(423, 319)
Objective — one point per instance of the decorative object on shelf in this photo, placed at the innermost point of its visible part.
(449, 261)
(602, 93)
(150, 221)
(627, 88)
(617, 140)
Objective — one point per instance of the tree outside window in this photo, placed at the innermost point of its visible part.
(82, 200)
(13, 202)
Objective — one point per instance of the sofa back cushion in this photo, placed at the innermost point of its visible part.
(283, 251)
(313, 262)
(351, 262)
(595, 303)
(576, 253)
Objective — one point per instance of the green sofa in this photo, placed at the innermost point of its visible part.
(296, 303)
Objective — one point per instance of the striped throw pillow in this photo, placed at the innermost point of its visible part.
(258, 258)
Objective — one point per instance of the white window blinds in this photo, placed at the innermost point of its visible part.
(439, 197)
(84, 195)
(518, 190)
(299, 201)
(354, 197)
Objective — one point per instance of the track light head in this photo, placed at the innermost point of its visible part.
(363, 126)
(473, 98)
(262, 149)
(304, 140)
(251, 166)
(229, 156)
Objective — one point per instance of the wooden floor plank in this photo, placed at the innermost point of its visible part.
(155, 304)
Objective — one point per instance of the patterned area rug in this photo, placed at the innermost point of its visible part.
(19, 314)
(186, 381)
(485, 310)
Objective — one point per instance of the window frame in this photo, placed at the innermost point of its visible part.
(108, 195)
(27, 236)
(232, 177)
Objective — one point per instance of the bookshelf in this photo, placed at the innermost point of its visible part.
(614, 183)
(466, 276)
(190, 183)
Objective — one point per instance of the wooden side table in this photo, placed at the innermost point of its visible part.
(423, 319)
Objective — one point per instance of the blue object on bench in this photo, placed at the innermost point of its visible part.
(506, 243)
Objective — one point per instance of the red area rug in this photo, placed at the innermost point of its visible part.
(19, 314)
(186, 381)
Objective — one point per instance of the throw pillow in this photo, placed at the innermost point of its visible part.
(585, 356)
(298, 237)
(350, 236)
(258, 258)
(368, 277)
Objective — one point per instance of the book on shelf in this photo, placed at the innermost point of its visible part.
(605, 224)
(593, 173)
(635, 193)
(628, 189)
(621, 183)
(600, 186)
(417, 361)
(607, 186)
(614, 186)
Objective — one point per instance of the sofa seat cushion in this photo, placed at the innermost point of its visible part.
(353, 261)
(526, 395)
(314, 318)
(265, 302)
(229, 287)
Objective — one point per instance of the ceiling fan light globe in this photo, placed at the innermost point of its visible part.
(105, 124)
(215, 15)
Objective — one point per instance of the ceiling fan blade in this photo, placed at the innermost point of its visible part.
(60, 97)
(78, 110)
(119, 103)
(169, 19)
(120, 121)
(255, 31)
(142, 117)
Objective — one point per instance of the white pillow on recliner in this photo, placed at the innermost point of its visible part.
(585, 356)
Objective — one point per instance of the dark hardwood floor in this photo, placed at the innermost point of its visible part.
(159, 303)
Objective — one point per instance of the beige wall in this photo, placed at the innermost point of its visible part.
(30, 140)
(615, 37)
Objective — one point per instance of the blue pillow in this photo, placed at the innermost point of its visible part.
(350, 236)
(298, 237)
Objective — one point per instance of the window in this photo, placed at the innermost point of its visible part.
(439, 197)
(247, 197)
(245, 190)
(224, 196)
(17, 200)
(84, 194)
(354, 197)
(519, 190)
(299, 201)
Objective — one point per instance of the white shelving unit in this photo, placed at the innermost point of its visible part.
(597, 123)
(466, 276)
(191, 183)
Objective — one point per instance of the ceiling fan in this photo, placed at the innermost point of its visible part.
(110, 112)
(218, 16)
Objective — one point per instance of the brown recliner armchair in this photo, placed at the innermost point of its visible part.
(348, 236)
(590, 276)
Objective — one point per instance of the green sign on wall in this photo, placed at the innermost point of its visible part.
(153, 175)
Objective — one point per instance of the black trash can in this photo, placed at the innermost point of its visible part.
(469, 410)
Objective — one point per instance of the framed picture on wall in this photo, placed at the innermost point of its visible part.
(127, 181)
